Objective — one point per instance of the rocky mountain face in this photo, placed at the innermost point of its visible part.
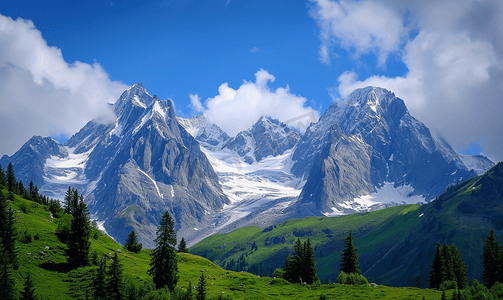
(29, 161)
(266, 137)
(363, 154)
(134, 170)
(363, 143)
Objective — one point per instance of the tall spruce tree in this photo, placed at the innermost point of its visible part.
(7, 281)
(80, 231)
(201, 288)
(7, 231)
(3, 180)
(100, 281)
(115, 284)
(183, 246)
(28, 293)
(11, 179)
(492, 259)
(436, 268)
(459, 267)
(163, 262)
(447, 265)
(349, 259)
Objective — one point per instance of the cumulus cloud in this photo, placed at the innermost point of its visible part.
(237, 110)
(40, 93)
(454, 57)
(347, 23)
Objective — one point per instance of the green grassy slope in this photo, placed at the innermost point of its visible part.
(53, 279)
(396, 245)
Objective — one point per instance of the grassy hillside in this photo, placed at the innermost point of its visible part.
(44, 257)
(396, 245)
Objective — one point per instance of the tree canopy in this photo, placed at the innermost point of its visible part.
(163, 262)
(349, 259)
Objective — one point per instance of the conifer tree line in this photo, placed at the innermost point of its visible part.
(448, 265)
(8, 180)
(301, 266)
(492, 259)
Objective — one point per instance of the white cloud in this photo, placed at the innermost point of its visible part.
(237, 110)
(195, 103)
(40, 93)
(348, 24)
(454, 62)
(254, 50)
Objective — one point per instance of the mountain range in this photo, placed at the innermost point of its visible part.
(365, 153)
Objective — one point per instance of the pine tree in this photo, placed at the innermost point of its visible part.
(309, 264)
(3, 180)
(301, 267)
(7, 281)
(7, 231)
(201, 288)
(459, 267)
(115, 284)
(163, 263)
(100, 281)
(11, 179)
(492, 259)
(29, 289)
(183, 246)
(447, 272)
(132, 243)
(349, 258)
(80, 231)
(188, 294)
(21, 189)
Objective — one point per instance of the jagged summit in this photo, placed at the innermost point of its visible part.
(390, 147)
(267, 137)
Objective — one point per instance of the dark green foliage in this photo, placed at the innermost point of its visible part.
(476, 291)
(55, 208)
(7, 281)
(80, 230)
(22, 190)
(132, 243)
(8, 231)
(448, 266)
(3, 180)
(25, 237)
(448, 285)
(115, 283)
(492, 259)
(188, 294)
(99, 282)
(201, 288)
(497, 290)
(301, 267)
(349, 258)
(352, 278)
(183, 246)
(28, 293)
(63, 231)
(278, 273)
(11, 179)
(163, 263)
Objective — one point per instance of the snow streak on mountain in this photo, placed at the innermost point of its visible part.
(363, 154)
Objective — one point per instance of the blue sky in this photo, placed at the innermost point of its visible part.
(443, 59)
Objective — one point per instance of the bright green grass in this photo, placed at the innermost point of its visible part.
(375, 228)
(53, 279)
